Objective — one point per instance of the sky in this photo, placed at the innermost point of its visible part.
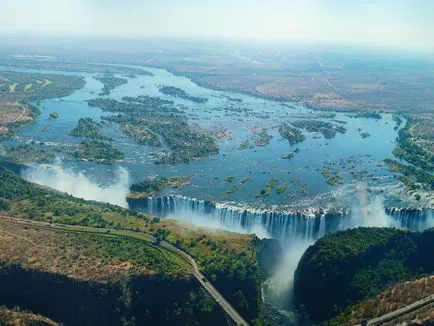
(405, 24)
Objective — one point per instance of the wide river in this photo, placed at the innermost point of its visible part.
(357, 159)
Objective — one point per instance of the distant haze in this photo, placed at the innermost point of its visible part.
(406, 24)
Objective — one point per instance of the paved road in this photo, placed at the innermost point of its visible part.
(209, 287)
(400, 312)
(227, 307)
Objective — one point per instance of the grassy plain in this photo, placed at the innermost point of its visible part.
(85, 253)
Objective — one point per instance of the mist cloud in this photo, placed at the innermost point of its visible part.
(365, 213)
(79, 185)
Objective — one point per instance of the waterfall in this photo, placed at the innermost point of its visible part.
(295, 229)
(415, 219)
(308, 224)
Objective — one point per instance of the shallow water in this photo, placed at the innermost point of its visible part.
(302, 172)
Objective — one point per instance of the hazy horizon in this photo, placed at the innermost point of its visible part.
(373, 23)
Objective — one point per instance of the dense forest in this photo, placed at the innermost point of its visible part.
(343, 268)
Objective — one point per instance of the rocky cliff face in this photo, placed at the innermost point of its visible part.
(137, 300)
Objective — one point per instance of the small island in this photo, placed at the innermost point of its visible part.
(281, 188)
(110, 82)
(178, 92)
(53, 115)
(153, 186)
(327, 129)
(98, 151)
(333, 178)
(365, 115)
(287, 156)
(291, 134)
(89, 128)
(268, 189)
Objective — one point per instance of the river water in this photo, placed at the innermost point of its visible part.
(348, 153)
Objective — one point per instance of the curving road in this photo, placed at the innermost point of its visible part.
(236, 317)
(227, 307)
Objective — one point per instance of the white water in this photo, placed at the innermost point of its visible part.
(308, 224)
(78, 185)
(371, 214)
(295, 230)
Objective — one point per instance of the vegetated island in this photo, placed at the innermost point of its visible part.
(153, 186)
(332, 177)
(281, 188)
(98, 151)
(157, 122)
(260, 138)
(327, 129)
(291, 134)
(89, 128)
(96, 146)
(365, 115)
(287, 156)
(178, 92)
(268, 189)
(110, 82)
(53, 115)
(62, 251)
